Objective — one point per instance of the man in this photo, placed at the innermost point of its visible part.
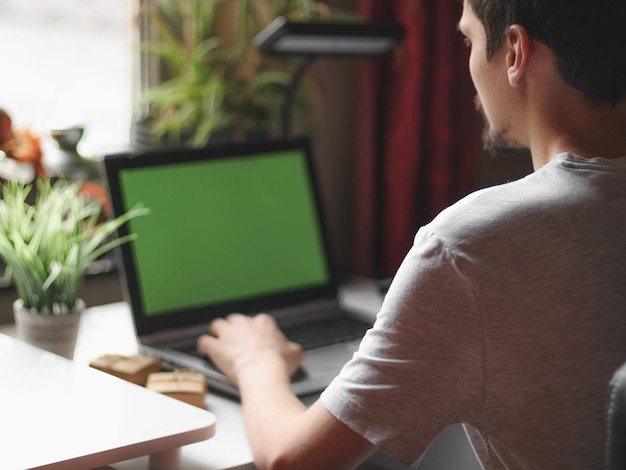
(508, 314)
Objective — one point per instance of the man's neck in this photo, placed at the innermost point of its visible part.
(581, 128)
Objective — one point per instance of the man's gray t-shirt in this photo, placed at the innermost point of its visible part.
(508, 315)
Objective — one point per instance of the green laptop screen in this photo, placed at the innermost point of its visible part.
(224, 229)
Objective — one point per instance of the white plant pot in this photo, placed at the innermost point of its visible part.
(54, 333)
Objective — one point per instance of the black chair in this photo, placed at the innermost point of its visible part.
(616, 421)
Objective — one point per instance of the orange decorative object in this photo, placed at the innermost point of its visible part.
(20, 144)
(6, 129)
(95, 191)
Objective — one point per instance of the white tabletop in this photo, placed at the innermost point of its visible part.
(56, 413)
(109, 329)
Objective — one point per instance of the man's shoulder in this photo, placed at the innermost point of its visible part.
(563, 185)
(492, 203)
(494, 215)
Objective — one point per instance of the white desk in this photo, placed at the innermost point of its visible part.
(109, 329)
(58, 414)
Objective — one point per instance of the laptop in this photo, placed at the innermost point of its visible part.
(232, 228)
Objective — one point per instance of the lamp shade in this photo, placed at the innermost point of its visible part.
(329, 39)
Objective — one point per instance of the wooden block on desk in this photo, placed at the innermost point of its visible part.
(186, 386)
(134, 369)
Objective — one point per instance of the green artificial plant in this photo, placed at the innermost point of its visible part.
(48, 244)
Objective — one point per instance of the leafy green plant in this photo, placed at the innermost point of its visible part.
(213, 76)
(48, 244)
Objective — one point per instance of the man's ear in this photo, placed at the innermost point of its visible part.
(518, 50)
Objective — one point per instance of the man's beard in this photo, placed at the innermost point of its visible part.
(498, 143)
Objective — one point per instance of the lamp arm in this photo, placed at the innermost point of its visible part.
(290, 92)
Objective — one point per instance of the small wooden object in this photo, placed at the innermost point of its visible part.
(134, 369)
(186, 386)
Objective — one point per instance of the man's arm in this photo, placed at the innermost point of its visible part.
(281, 431)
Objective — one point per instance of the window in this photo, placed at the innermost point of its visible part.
(67, 63)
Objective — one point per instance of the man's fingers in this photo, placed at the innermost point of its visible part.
(205, 344)
(218, 325)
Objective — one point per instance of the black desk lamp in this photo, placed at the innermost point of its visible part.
(312, 39)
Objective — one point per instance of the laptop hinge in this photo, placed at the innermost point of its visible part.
(285, 317)
(314, 310)
(172, 335)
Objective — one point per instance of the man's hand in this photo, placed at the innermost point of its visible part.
(254, 354)
(237, 342)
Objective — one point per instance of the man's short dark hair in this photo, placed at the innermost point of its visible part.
(588, 38)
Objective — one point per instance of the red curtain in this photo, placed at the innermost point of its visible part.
(416, 127)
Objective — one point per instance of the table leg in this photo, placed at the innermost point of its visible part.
(166, 460)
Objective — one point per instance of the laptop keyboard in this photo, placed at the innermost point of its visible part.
(314, 335)
(336, 330)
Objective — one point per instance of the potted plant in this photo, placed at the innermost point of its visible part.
(48, 238)
(212, 77)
